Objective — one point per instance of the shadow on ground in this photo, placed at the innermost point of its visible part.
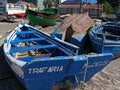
(7, 79)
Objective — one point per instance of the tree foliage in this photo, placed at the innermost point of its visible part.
(107, 7)
(50, 3)
(110, 6)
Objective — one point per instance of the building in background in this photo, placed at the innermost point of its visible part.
(2, 9)
(75, 6)
(39, 4)
(69, 7)
(95, 10)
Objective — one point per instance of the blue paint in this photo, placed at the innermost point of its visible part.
(90, 1)
(50, 61)
(106, 38)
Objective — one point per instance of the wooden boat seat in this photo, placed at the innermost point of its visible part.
(37, 58)
(115, 37)
(25, 32)
(112, 45)
(28, 40)
(27, 48)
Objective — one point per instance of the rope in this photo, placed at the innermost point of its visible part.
(82, 84)
(86, 66)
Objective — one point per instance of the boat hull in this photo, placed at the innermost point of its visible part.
(51, 73)
(15, 17)
(40, 19)
(62, 70)
(105, 42)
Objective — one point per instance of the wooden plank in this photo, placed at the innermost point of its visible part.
(27, 48)
(28, 40)
(25, 32)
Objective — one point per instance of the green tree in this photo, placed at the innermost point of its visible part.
(107, 7)
(113, 3)
(50, 3)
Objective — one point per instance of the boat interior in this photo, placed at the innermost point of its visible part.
(108, 32)
(30, 44)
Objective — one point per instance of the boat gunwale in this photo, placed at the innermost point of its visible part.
(55, 38)
(12, 35)
(38, 14)
(94, 31)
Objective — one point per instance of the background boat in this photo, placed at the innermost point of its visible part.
(45, 17)
(106, 37)
(12, 11)
(74, 30)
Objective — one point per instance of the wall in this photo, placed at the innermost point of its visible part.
(40, 4)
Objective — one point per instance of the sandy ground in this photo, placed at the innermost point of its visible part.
(107, 79)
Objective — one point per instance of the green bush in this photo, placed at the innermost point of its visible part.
(107, 8)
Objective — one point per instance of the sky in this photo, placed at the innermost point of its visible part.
(89, 1)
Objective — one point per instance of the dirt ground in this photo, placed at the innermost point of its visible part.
(107, 79)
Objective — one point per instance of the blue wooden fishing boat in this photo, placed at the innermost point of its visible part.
(74, 30)
(106, 37)
(44, 62)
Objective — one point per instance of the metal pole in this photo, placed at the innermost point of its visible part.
(80, 6)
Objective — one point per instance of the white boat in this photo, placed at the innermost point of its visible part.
(12, 11)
